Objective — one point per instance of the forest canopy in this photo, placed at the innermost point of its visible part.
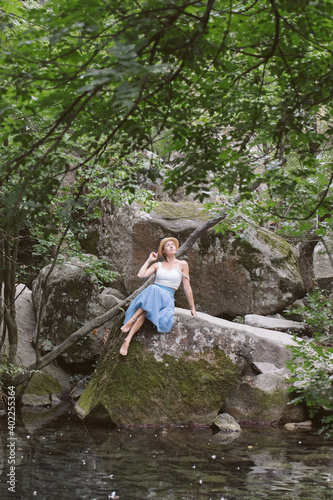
(229, 85)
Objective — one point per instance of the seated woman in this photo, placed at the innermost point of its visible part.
(156, 302)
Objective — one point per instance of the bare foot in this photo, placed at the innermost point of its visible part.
(124, 347)
(127, 326)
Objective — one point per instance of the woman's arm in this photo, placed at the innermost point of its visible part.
(187, 288)
(145, 271)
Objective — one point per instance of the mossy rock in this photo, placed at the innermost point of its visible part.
(43, 383)
(142, 390)
(149, 388)
(275, 242)
(252, 404)
(186, 376)
(181, 210)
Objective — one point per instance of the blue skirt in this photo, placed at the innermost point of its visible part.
(159, 303)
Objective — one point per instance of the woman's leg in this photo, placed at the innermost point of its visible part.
(128, 325)
(137, 324)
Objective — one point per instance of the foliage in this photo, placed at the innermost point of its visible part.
(240, 91)
(312, 380)
(312, 362)
(8, 370)
(318, 314)
(219, 80)
(298, 201)
(100, 269)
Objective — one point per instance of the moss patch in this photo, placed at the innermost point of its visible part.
(268, 402)
(142, 390)
(181, 210)
(261, 406)
(43, 383)
(274, 242)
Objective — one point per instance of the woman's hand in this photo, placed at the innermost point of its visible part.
(153, 256)
(193, 311)
(148, 270)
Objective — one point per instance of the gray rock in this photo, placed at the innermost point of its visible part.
(282, 325)
(36, 400)
(254, 272)
(78, 391)
(322, 264)
(26, 354)
(134, 234)
(290, 426)
(55, 400)
(304, 425)
(231, 275)
(110, 297)
(227, 423)
(263, 367)
(72, 299)
(296, 316)
(293, 426)
(113, 292)
(263, 398)
(182, 377)
(243, 344)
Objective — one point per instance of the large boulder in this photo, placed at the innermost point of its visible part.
(71, 299)
(183, 377)
(52, 381)
(255, 272)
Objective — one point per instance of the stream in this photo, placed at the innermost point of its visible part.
(59, 457)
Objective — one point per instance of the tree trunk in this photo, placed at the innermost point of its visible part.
(2, 308)
(10, 257)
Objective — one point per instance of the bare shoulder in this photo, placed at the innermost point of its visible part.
(183, 265)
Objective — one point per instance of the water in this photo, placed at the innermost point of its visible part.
(57, 457)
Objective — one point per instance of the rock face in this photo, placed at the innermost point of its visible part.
(135, 233)
(51, 380)
(263, 398)
(232, 275)
(183, 377)
(255, 273)
(322, 264)
(72, 298)
(282, 325)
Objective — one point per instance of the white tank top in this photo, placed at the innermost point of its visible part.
(169, 277)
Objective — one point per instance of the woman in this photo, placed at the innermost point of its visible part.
(157, 302)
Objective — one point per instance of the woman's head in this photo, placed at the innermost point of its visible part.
(168, 246)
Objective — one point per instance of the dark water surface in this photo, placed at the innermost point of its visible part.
(57, 457)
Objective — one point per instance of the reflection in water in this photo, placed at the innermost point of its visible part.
(57, 457)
